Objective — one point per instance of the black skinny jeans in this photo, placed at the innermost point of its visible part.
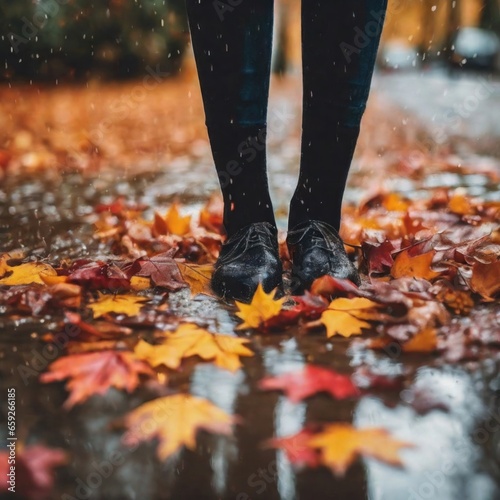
(232, 42)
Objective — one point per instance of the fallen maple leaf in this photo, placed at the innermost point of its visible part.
(486, 279)
(162, 269)
(301, 384)
(379, 257)
(174, 421)
(308, 306)
(34, 471)
(50, 279)
(423, 341)
(340, 444)
(395, 203)
(98, 275)
(119, 304)
(460, 204)
(418, 266)
(139, 283)
(197, 277)
(211, 215)
(296, 448)
(25, 274)
(262, 307)
(328, 286)
(98, 329)
(346, 317)
(95, 372)
(191, 340)
(172, 223)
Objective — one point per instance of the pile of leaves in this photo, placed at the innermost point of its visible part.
(431, 280)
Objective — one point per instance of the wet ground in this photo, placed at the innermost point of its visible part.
(46, 212)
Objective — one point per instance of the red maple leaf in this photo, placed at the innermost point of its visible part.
(34, 471)
(296, 448)
(301, 384)
(99, 275)
(379, 257)
(95, 372)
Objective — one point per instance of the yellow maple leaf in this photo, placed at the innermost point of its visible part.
(341, 443)
(347, 317)
(174, 421)
(197, 277)
(172, 223)
(28, 273)
(262, 307)
(119, 304)
(418, 266)
(191, 340)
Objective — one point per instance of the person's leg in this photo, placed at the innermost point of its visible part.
(232, 48)
(339, 45)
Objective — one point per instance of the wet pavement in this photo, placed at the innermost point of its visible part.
(457, 453)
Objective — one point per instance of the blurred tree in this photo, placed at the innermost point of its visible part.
(78, 39)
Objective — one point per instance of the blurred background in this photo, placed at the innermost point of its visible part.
(78, 40)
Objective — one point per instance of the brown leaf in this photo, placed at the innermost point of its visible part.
(486, 279)
(162, 269)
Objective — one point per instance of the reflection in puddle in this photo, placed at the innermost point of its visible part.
(444, 463)
(289, 418)
(221, 388)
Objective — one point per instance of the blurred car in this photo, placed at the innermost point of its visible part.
(395, 55)
(475, 48)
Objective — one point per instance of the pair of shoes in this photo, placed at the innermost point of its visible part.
(247, 258)
(316, 249)
(251, 256)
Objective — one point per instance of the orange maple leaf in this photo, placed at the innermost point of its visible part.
(347, 317)
(95, 372)
(191, 340)
(341, 443)
(172, 223)
(174, 421)
(485, 279)
(262, 307)
(461, 204)
(418, 266)
(423, 341)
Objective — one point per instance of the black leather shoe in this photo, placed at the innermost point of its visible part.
(247, 258)
(316, 249)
